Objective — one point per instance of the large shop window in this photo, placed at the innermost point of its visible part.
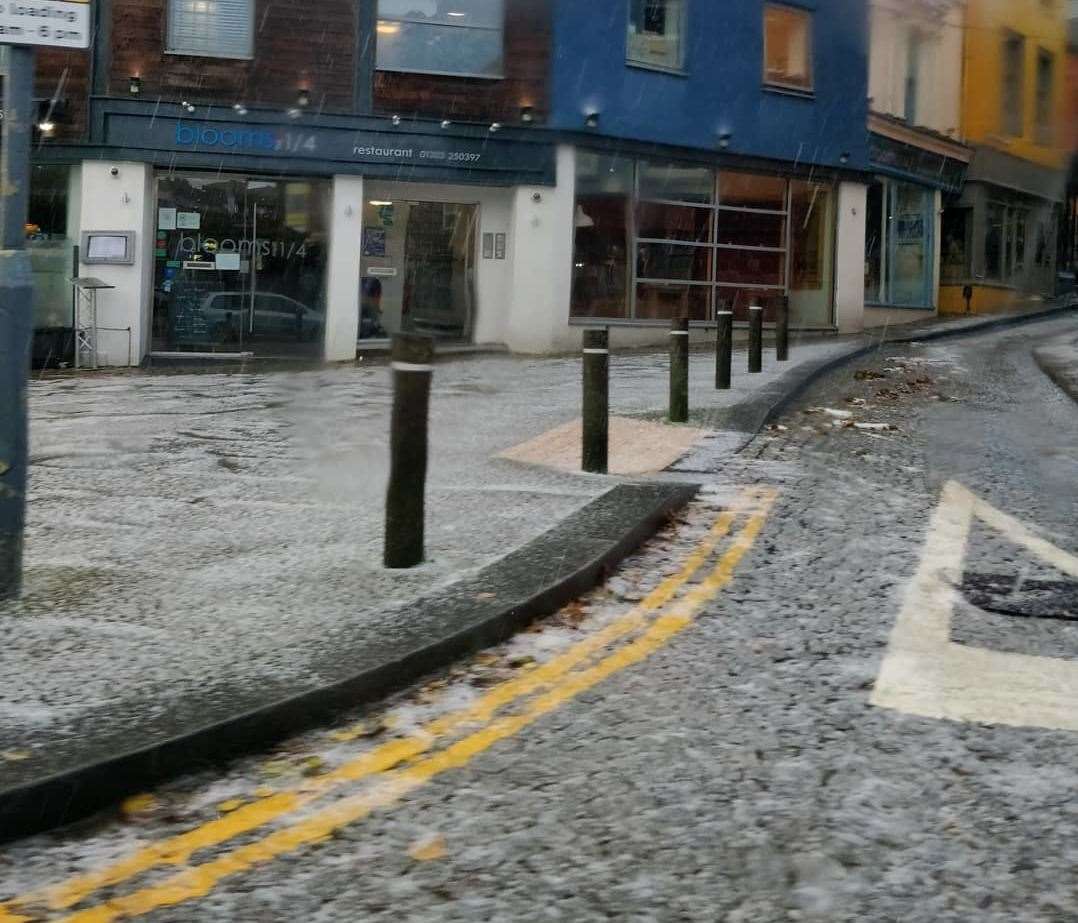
(463, 38)
(50, 244)
(657, 33)
(240, 265)
(657, 240)
(215, 28)
(787, 47)
(899, 245)
(1005, 243)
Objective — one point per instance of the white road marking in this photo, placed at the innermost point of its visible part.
(925, 673)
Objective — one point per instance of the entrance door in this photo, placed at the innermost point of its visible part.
(240, 266)
(418, 264)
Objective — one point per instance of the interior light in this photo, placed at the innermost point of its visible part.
(46, 127)
(381, 203)
(388, 28)
(456, 14)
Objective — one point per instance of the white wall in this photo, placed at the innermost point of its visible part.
(940, 74)
(850, 258)
(342, 283)
(124, 202)
(541, 246)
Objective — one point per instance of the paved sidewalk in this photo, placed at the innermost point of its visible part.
(1059, 361)
(202, 545)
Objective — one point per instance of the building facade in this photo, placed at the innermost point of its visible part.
(1000, 233)
(915, 130)
(258, 178)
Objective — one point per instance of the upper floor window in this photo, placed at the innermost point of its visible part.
(215, 28)
(787, 47)
(463, 38)
(1046, 66)
(1012, 97)
(914, 46)
(657, 32)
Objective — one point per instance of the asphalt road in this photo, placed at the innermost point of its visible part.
(838, 689)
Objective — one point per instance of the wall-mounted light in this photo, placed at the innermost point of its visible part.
(294, 113)
(844, 157)
(446, 123)
(47, 126)
(239, 109)
(495, 126)
(591, 120)
(187, 106)
(303, 98)
(134, 85)
(725, 138)
(396, 120)
(527, 115)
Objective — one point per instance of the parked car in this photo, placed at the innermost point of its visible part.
(228, 316)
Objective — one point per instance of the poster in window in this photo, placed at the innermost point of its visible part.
(374, 242)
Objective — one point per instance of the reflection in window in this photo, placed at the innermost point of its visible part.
(600, 261)
(899, 234)
(49, 246)
(811, 256)
(461, 37)
(657, 33)
(788, 47)
(750, 190)
(954, 251)
(664, 301)
(676, 182)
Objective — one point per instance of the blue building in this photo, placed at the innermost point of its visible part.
(258, 179)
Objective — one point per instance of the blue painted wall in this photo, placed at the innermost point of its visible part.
(722, 89)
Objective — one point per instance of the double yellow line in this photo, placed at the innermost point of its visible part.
(551, 685)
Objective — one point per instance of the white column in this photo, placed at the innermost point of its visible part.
(541, 245)
(937, 248)
(850, 258)
(118, 196)
(343, 271)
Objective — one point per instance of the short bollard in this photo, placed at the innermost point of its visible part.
(679, 371)
(724, 348)
(756, 339)
(596, 401)
(412, 370)
(782, 330)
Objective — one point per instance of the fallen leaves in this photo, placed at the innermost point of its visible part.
(138, 805)
(428, 848)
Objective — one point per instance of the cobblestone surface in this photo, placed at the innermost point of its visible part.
(740, 773)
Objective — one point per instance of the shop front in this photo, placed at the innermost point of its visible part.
(656, 240)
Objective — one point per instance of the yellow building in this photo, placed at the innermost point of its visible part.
(999, 237)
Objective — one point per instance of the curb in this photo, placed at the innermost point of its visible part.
(779, 396)
(1062, 370)
(528, 583)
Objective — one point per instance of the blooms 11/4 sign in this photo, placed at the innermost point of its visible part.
(56, 23)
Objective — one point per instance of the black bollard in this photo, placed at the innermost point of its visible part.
(412, 371)
(679, 371)
(596, 414)
(724, 348)
(782, 330)
(756, 339)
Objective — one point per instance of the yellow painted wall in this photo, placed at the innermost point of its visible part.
(1043, 23)
(987, 299)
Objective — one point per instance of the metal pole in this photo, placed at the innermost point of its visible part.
(405, 498)
(16, 311)
(724, 348)
(782, 330)
(679, 371)
(756, 339)
(596, 434)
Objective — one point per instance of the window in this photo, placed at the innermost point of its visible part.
(216, 28)
(1045, 92)
(787, 47)
(1005, 243)
(954, 253)
(1014, 65)
(463, 38)
(657, 33)
(913, 70)
(655, 240)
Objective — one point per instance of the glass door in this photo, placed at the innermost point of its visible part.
(418, 264)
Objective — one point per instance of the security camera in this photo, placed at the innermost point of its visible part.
(537, 197)
(115, 171)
